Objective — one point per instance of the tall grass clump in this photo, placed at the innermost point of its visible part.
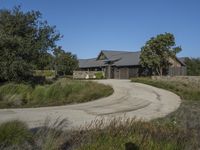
(14, 95)
(52, 135)
(14, 133)
(89, 91)
(122, 133)
(37, 96)
(63, 91)
(187, 91)
(117, 133)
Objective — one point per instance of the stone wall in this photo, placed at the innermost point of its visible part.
(186, 79)
(86, 74)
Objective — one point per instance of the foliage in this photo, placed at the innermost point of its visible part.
(120, 133)
(99, 75)
(187, 91)
(186, 117)
(117, 133)
(25, 40)
(14, 133)
(65, 62)
(156, 53)
(14, 95)
(45, 73)
(45, 62)
(51, 135)
(193, 66)
(63, 91)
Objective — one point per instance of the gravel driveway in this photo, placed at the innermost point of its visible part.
(129, 99)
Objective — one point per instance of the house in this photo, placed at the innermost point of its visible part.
(123, 64)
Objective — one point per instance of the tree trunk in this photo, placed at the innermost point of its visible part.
(158, 71)
(161, 71)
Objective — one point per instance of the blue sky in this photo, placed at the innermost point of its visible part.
(89, 26)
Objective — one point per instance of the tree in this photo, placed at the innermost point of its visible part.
(156, 53)
(65, 62)
(193, 66)
(45, 62)
(24, 39)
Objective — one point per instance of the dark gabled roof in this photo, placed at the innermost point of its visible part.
(90, 63)
(120, 58)
(125, 58)
(112, 53)
(182, 60)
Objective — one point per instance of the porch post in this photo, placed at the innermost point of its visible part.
(109, 71)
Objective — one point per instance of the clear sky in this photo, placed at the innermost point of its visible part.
(89, 26)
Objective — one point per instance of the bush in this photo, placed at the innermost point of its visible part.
(99, 75)
(37, 96)
(14, 95)
(117, 133)
(44, 73)
(63, 91)
(14, 133)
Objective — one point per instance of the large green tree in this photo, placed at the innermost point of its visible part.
(24, 40)
(193, 66)
(64, 62)
(156, 53)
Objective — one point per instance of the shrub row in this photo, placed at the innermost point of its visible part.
(63, 91)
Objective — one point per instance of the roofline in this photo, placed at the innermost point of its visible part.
(92, 67)
(87, 59)
(130, 51)
(120, 52)
(182, 63)
(100, 54)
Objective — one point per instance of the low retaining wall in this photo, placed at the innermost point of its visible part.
(186, 79)
(86, 74)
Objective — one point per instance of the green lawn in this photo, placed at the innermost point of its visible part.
(63, 91)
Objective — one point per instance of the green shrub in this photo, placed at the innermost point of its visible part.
(45, 73)
(38, 94)
(12, 88)
(90, 91)
(63, 91)
(112, 134)
(142, 135)
(99, 75)
(14, 94)
(14, 133)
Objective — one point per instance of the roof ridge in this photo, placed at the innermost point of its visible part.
(86, 58)
(123, 52)
(116, 50)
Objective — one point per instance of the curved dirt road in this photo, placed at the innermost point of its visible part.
(132, 99)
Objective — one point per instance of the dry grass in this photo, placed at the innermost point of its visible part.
(178, 131)
(117, 133)
(63, 91)
(121, 133)
(186, 117)
(186, 90)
